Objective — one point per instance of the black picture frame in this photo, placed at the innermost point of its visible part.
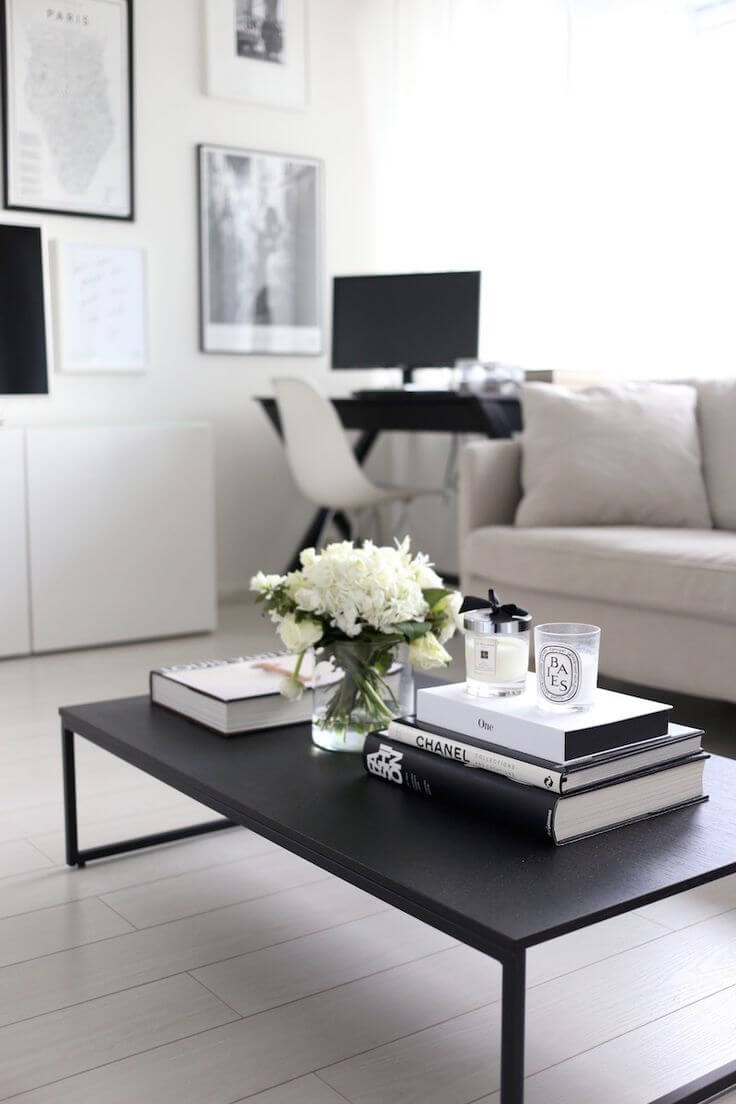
(306, 345)
(129, 215)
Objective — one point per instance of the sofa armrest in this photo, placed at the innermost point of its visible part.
(490, 485)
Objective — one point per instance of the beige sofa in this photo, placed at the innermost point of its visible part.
(665, 598)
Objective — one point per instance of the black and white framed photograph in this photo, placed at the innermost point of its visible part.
(68, 106)
(260, 265)
(100, 296)
(256, 51)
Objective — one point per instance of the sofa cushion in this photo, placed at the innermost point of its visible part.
(682, 571)
(627, 454)
(717, 417)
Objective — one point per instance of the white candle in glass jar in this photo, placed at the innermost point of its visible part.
(497, 658)
(496, 652)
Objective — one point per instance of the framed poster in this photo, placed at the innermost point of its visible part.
(256, 51)
(100, 308)
(68, 106)
(260, 266)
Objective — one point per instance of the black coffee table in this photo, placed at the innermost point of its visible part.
(491, 888)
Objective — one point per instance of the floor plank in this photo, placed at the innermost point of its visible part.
(694, 905)
(657, 1059)
(304, 1090)
(187, 894)
(55, 929)
(43, 985)
(19, 856)
(63, 1044)
(263, 1051)
(314, 963)
(59, 885)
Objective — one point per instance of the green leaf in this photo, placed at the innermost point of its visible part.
(434, 595)
(412, 630)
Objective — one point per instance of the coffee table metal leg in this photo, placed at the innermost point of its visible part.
(77, 857)
(513, 1028)
(70, 797)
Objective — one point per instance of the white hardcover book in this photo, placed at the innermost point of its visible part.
(239, 694)
(519, 724)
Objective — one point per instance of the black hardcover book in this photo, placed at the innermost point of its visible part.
(562, 818)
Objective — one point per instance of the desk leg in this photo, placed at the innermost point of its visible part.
(363, 446)
(513, 1028)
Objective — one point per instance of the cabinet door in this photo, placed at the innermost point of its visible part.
(121, 525)
(15, 621)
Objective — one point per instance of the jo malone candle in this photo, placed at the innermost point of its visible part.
(496, 647)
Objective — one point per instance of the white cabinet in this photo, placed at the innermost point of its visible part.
(120, 535)
(15, 622)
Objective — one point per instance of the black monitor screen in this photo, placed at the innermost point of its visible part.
(22, 324)
(418, 321)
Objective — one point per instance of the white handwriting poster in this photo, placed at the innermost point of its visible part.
(101, 308)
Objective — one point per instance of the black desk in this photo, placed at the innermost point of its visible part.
(497, 416)
(488, 887)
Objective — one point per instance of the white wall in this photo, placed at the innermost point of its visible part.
(260, 515)
(579, 152)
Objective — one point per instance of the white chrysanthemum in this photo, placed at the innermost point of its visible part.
(424, 572)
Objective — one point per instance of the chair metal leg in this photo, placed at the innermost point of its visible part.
(513, 1028)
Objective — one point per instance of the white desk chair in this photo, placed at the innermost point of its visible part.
(323, 464)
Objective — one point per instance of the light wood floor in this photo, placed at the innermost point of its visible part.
(223, 969)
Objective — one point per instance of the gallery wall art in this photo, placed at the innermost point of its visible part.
(68, 106)
(257, 51)
(100, 308)
(260, 266)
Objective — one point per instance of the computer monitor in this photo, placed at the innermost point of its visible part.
(419, 320)
(23, 368)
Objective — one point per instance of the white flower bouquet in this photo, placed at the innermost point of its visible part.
(357, 606)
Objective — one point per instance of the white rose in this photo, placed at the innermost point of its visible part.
(298, 635)
(451, 617)
(264, 584)
(427, 652)
(307, 599)
(291, 688)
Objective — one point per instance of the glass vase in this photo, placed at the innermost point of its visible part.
(374, 684)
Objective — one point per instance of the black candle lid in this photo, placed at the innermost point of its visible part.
(488, 616)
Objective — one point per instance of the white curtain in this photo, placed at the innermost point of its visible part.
(579, 152)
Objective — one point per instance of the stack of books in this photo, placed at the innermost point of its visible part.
(560, 775)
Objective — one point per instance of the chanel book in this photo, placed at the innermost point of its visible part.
(478, 752)
(561, 818)
(239, 694)
(518, 724)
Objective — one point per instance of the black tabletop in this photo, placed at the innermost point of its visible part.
(451, 412)
(491, 887)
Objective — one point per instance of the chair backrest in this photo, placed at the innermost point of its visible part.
(320, 457)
